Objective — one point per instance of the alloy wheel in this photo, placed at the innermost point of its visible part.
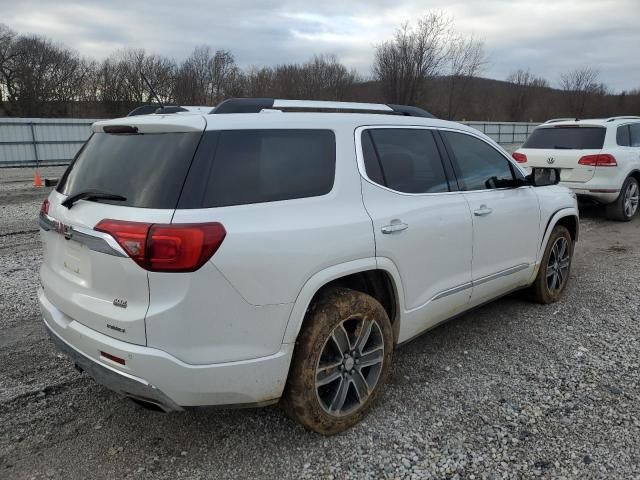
(349, 366)
(631, 197)
(558, 264)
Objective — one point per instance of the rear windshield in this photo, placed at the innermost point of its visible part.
(567, 138)
(147, 169)
(255, 166)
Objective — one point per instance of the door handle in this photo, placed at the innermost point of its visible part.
(482, 211)
(395, 226)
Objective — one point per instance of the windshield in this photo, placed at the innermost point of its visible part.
(146, 169)
(567, 138)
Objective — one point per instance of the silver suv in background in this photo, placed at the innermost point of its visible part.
(599, 158)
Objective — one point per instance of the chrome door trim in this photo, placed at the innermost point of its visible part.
(95, 241)
(451, 291)
(480, 281)
(501, 273)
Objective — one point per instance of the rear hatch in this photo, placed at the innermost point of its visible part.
(143, 163)
(562, 146)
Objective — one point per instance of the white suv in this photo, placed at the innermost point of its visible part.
(600, 159)
(254, 254)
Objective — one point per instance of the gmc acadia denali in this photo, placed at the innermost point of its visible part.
(278, 250)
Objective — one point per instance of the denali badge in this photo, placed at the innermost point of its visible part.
(117, 329)
(550, 160)
(118, 302)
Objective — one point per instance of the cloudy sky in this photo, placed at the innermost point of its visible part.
(547, 36)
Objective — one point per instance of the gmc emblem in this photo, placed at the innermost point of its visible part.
(64, 230)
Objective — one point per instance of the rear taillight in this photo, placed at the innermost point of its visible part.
(183, 248)
(44, 208)
(166, 247)
(599, 160)
(132, 237)
(519, 157)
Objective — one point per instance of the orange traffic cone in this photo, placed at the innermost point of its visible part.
(37, 179)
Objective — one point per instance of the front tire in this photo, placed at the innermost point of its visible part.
(626, 206)
(555, 267)
(341, 360)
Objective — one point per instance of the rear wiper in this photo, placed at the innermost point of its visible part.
(560, 147)
(92, 195)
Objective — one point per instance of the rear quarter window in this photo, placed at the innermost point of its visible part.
(257, 166)
(622, 136)
(634, 133)
(149, 170)
(567, 138)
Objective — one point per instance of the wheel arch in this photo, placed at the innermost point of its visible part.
(364, 275)
(569, 218)
(635, 174)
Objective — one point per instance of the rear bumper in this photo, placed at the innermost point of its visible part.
(600, 192)
(120, 382)
(154, 376)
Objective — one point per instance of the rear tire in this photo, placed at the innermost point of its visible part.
(555, 267)
(626, 205)
(340, 362)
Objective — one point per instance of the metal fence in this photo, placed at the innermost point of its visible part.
(505, 132)
(26, 142)
(41, 141)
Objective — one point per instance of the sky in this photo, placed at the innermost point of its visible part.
(547, 36)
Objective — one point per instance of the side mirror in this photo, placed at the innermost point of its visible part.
(50, 182)
(542, 177)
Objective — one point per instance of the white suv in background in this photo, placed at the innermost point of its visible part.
(254, 254)
(600, 159)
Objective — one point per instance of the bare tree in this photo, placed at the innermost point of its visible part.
(206, 78)
(465, 59)
(7, 53)
(325, 78)
(416, 53)
(524, 86)
(225, 78)
(580, 84)
(259, 82)
(38, 73)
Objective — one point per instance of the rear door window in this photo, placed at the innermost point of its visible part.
(256, 166)
(567, 138)
(404, 159)
(149, 170)
(634, 130)
(478, 165)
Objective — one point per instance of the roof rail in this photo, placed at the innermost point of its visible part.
(555, 120)
(625, 117)
(257, 105)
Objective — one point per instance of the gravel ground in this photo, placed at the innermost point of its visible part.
(511, 390)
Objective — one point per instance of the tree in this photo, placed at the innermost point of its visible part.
(524, 86)
(7, 52)
(415, 54)
(579, 85)
(259, 82)
(323, 77)
(465, 59)
(207, 78)
(37, 73)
